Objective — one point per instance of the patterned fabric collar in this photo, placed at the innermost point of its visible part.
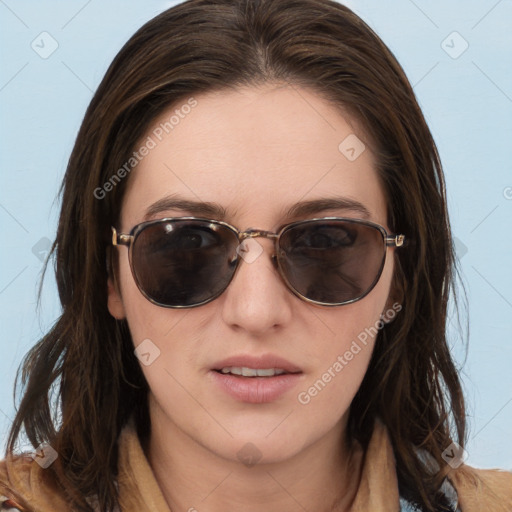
(447, 490)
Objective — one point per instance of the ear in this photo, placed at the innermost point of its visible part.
(114, 300)
(115, 303)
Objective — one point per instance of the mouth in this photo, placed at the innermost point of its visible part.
(244, 371)
(256, 379)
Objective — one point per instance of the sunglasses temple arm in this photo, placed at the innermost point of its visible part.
(395, 240)
(120, 238)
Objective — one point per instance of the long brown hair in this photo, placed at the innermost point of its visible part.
(82, 381)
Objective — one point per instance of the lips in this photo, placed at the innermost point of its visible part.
(255, 379)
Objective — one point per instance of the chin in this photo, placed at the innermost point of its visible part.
(258, 449)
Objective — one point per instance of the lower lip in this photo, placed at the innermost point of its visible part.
(256, 390)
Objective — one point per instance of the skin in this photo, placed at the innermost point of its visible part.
(255, 151)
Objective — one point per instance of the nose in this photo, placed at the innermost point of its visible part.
(257, 299)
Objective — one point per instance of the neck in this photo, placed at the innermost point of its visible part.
(323, 476)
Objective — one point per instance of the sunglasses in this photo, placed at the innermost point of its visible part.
(183, 262)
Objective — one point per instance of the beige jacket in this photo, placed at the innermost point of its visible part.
(22, 483)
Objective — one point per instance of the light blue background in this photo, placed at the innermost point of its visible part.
(467, 102)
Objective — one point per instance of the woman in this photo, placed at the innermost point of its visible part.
(254, 261)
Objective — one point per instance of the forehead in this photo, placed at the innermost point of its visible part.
(255, 151)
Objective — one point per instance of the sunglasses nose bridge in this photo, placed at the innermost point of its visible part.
(254, 233)
(259, 233)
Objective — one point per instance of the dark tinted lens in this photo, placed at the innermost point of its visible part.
(182, 263)
(332, 261)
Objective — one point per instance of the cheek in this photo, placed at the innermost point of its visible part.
(144, 319)
(331, 391)
(341, 359)
(353, 325)
(164, 341)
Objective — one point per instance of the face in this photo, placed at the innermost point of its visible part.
(255, 152)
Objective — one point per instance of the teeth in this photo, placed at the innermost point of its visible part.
(251, 372)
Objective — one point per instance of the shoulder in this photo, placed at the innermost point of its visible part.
(15, 482)
(26, 486)
(482, 489)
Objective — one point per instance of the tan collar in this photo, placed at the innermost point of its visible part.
(477, 489)
(139, 490)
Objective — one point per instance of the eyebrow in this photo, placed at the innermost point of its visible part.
(216, 211)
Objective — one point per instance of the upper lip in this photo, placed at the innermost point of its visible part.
(257, 362)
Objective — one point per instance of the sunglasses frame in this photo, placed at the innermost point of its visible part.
(128, 240)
